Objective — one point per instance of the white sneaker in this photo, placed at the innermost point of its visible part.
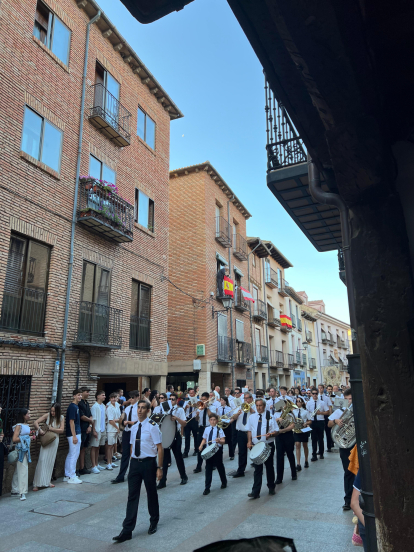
(66, 479)
(101, 468)
(109, 467)
(114, 465)
(95, 470)
(23, 497)
(74, 481)
(118, 455)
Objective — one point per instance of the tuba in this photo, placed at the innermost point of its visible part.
(287, 417)
(344, 436)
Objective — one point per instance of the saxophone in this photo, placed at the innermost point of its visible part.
(344, 436)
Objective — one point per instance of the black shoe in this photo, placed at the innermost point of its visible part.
(298, 467)
(238, 475)
(185, 455)
(272, 492)
(346, 507)
(321, 457)
(84, 471)
(152, 529)
(278, 482)
(314, 459)
(197, 470)
(294, 477)
(161, 486)
(184, 481)
(306, 464)
(115, 481)
(252, 464)
(329, 450)
(223, 486)
(206, 492)
(122, 537)
(231, 458)
(194, 453)
(251, 495)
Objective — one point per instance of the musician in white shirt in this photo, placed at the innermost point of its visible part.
(283, 394)
(318, 423)
(202, 416)
(222, 410)
(270, 404)
(242, 429)
(190, 410)
(214, 434)
(301, 413)
(262, 427)
(328, 402)
(128, 418)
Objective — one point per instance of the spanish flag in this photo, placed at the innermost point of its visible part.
(228, 286)
(286, 320)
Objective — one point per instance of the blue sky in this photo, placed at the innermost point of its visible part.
(202, 58)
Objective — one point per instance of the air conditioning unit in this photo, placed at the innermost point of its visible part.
(197, 365)
(200, 350)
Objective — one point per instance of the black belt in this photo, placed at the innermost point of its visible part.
(144, 459)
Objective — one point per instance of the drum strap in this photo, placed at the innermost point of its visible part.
(267, 420)
(165, 406)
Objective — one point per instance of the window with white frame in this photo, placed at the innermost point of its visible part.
(52, 32)
(144, 210)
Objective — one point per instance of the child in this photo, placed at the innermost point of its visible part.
(215, 434)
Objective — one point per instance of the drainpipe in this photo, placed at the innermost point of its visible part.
(56, 376)
(75, 208)
(366, 498)
(267, 331)
(231, 310)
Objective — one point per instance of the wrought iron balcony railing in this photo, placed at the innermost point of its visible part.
(239, 247)
(262, 354)
(259, 309)
(224, 349)
(223, 232)
(293, 317)
(312, 363)
(284, 145)
(273, 319)
(296, 358)
(104, 212)
(239, 302)
(140, 333)
(110, 116)
(283, 284)
(243, 352)
(276, 359)
(23, 310)
(98, 326)
(304, 360)
(290, 361)
(271, 278)
(309, 337)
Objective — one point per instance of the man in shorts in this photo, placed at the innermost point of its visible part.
(99, 430)
(112, 428)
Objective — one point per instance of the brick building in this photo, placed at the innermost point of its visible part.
(207, 233)
(117, 316)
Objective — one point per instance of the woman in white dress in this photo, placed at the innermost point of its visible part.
(47, 457)
(301, 438)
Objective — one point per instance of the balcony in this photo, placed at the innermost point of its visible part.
(309, 337)
(338, 342)
(262, 355)
(239, 302)
(224, 349)
(223, 232)
(324, 337)
(299, 324)
(23, 310)
(259, 310)
(331, 339)
(290, 365)
(283, 284)
(346, 346)
(312, 363)
(98, 326)
(296, 358)
(243, 353)
(285, 329)
(293, 317)
(109, 116)
(343, 344)
(304, 362)
(276, 359)
(104, 212)
(140, 333)
(271, 278)
(240, 247)
(273, 319)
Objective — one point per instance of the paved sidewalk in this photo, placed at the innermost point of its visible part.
(85, 517)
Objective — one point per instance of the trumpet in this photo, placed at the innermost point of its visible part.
(225, 420)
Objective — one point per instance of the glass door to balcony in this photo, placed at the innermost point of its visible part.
(257, 341)
(107, 94)
(140, 321)
(94, 308)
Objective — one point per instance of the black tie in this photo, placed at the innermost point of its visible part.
(138, 442)
(172, 410)
(245, 418)
(223, 411)
(205, 417)
(273, 406)
(210, 437)
(191, 410)
(130, 415)
(259, 427)
(315, 417)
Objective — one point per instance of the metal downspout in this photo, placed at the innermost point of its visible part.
(231, 310)
(75, 208)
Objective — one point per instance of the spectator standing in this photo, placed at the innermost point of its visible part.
(121, 395)
(21, 438)
(3, 452)
(86, 423)
(99, 430)
(128, 419)
(170, 389)
(119, 409)
(112, 428)
(73, 435)
(55, 423)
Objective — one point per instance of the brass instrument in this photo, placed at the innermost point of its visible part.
(225, 419)
(287, 417)
(245, 407)
(344, 436)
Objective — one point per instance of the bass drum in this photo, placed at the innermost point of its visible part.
(168, 429)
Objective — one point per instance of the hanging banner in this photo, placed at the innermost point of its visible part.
(285, 320)
(228, 286)
(247, 296)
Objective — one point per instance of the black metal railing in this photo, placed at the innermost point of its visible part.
(23, 310)
(259, 309)
(224, 349)
(273, 318)
(309, 337)
(276, 359)
(14, 395)
(297, 358)
(223, 232)
(140, 333)
(304, 360)
(243, 352)
(283, 284)
(262, 354)
(293, 317)
(239, 302)
(98, 326)
(312, 363)
(104, 211)
(271, 278)
(240, 247)
(107, 110)
(290, 361)
(284, 145)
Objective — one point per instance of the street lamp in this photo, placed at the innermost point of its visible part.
(227, 304)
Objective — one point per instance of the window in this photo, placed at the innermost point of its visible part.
(144, 210)
(14, 395)
(25, 288)
(100, 171)
(279, 275)
(146, 128)
(240, 330)
(107, 95)
(96, 284)
(50, 30)
(41, 139)
(140, 323)
(254, 259)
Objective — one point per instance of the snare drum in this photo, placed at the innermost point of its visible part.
(210, 451)
(260, 453)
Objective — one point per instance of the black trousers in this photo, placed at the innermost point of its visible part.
(229, 440)
(126, 454)
(3, 455)
(176, 450)
(234, 433)
(318, 427)
(348, 475)
(270, 473)
(329, 440)
(242, 443)
(285, 443)
(215, 461)
(139, 471)
(200, 431)
(190, 429)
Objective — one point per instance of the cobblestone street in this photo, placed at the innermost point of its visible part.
(87, 516)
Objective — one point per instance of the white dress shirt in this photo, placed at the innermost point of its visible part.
(216, 434)
(213, 407)
(111, 414)
(302, 413)
(312, 404)
(134, 415)
(203, 419)
(252, 427)
(325, 399)
(221, 410)
(239, 424)
(179, 413)
(286, 398)
(192, 408)
(150, 438)
(231, 401)
(336, 414)
(270, 403)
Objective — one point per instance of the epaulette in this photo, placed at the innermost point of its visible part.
(152, 422)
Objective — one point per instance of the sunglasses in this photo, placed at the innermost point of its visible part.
(314, 393)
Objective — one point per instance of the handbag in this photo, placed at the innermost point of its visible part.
(12, 456)
(48, 437)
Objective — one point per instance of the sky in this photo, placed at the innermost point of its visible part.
(203, 60)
